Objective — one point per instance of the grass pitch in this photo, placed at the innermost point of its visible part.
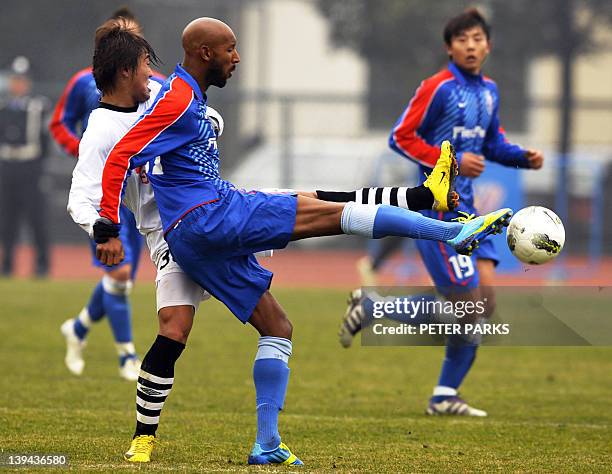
(357, 410)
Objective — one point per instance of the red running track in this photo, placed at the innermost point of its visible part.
(330, 269)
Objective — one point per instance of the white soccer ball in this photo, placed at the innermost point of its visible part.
(535, 235)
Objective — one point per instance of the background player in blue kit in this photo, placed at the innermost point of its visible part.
(213, 229)
(460, 104)
(110, 296)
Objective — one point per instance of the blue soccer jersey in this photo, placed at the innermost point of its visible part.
(463, 108)
(460, 107)
(175, 129)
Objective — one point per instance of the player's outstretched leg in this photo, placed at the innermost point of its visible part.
(75, 330)
(316, 218)
(271, 377)
(382, 221)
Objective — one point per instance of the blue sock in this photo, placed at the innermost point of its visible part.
(268, 436)
(457, 363)
(271, 376)
(93, 312)
(96, 303)
(391, 220)
(124, 357)
(119, 316)
(80, 330)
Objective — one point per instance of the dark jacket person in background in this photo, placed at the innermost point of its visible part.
(23, 145)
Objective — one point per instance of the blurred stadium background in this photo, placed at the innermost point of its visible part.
(322, 82)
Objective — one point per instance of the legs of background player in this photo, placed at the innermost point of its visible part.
(109, 297)
(75, 330)
(92, 313)
(369, 265)
(271, 376)
(458, 360)
(117, 285)
(460, 355)
(486, 272)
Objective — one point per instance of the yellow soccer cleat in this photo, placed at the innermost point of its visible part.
(441, 181)
(140, 449)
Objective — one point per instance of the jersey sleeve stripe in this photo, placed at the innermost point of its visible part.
(409, 142)
(60, 132)
(170, 107)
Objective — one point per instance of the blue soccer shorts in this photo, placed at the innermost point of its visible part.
(451, 272)
(214, 244)
(130, 238)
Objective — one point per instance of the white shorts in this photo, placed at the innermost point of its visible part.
(174, 287)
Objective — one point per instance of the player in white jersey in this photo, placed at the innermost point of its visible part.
(126, 93)
(107, 125)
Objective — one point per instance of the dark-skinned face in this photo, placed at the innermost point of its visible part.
(224, 59)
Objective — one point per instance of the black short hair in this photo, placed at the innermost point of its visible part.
(118, 46)
(466, 20)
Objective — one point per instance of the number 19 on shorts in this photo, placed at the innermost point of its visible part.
(462, 265)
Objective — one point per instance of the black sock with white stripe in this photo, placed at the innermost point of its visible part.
(155, 382)
(415, 199)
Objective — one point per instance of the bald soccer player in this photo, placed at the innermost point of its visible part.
(213, 229)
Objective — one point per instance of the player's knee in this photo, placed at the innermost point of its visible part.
(280, 326)
(286, 328)
(175, 333)
(175, 322)
(115, 286)
(123, 273)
